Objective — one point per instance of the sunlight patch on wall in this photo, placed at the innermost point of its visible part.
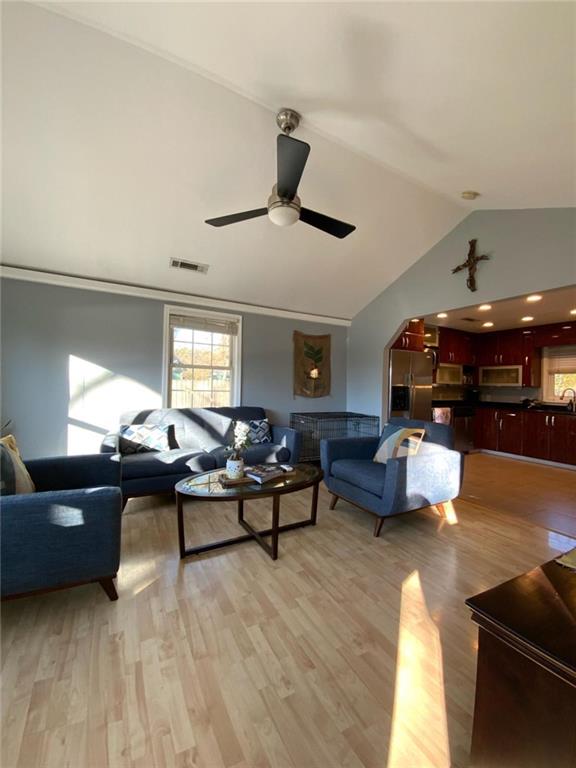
(419, 724)
(97, 398)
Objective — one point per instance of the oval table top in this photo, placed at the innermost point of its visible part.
(207, 484)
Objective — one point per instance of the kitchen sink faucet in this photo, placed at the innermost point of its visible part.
(571, 401)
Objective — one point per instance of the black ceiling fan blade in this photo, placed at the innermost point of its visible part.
(222, 221)
(326, 223)
(291, 161)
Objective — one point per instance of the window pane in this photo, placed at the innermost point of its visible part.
(202, 379)
(202, 337)
(201, 400)
(183, 334)
(182, 354)
(563, 381)
(221, 399)
(221, 356)
(202, 354)
(221, 339)
(221, 380)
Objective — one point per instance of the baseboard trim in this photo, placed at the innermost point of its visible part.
(529, 459)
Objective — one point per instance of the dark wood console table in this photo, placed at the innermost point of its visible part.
(525, 708)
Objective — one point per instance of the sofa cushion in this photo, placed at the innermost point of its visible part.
(197, 429)
(140, 438)
(255, 454)
(176, 462)
(258, 431)
(368, 475)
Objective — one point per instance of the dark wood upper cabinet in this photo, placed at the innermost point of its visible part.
(412, 337)
(555, 335)
(455, 347)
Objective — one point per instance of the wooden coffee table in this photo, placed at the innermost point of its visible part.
(207, 487)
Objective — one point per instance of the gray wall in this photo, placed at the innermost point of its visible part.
(43, 325)
(532, 250)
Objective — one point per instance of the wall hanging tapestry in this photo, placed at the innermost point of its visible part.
(311, 365)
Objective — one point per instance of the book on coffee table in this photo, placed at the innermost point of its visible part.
(263, 473)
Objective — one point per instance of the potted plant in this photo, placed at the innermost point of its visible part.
(235, 462)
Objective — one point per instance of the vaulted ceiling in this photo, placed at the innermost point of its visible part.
(124, 132)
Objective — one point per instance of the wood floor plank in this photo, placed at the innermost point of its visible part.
(231, 660)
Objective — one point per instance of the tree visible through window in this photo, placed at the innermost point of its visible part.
(201, 366)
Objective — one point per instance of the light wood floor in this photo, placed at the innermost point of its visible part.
(348, 651)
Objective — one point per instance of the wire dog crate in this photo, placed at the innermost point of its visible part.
(326, 424)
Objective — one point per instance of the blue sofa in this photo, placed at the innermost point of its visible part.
(200, 439)
(433, 476)
(68, 532)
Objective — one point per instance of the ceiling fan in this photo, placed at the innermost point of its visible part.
(284, 206)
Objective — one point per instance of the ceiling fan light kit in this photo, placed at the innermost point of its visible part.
(284, 207)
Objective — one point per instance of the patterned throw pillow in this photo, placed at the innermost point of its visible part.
(259, 431)
(15, 478)
(403, 442)
(140, 438)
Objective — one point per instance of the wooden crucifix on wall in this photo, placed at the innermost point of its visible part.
(471, 264)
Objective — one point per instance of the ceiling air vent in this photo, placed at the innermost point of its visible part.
(191, 266)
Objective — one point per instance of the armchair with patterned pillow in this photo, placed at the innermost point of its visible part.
(412, 465)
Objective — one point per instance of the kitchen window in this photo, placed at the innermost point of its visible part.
(202, 358)
(558, 372)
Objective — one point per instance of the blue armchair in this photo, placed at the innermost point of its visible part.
(68, 532)
(432, 477)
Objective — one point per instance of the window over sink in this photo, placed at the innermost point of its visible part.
(558, 373)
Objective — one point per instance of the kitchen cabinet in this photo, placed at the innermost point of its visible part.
(412, 337)
(531, 361)
(550, 436)
(455, 347)
(540, 435)
(503, 348)
(486, 429)
(499, 429)
(555, 335)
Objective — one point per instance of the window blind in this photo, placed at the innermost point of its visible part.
(209, 324)
(560, 359)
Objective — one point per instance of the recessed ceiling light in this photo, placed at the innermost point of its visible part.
(534, 297)
(488, 324)
(470, 194)
(485, 307)
(573, 311)
(527, 319)
(442, 315)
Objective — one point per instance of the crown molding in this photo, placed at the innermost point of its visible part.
(10, 272)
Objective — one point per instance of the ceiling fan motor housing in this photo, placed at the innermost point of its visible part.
(281, 211)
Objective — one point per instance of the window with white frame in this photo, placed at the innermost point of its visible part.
(203, 358)
(558, 372)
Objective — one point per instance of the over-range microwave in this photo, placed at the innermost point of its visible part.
(500, 376)
(449, 374)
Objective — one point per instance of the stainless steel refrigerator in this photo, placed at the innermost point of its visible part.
(411, 384)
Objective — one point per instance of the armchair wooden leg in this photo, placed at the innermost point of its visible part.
(109, 587)
(333, 501)
(378, 523)
(441, 510)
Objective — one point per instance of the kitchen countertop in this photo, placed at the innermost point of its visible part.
(509, 406)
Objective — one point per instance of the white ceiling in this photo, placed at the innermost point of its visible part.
(114, 157)
(553, 307)
(459, 96)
